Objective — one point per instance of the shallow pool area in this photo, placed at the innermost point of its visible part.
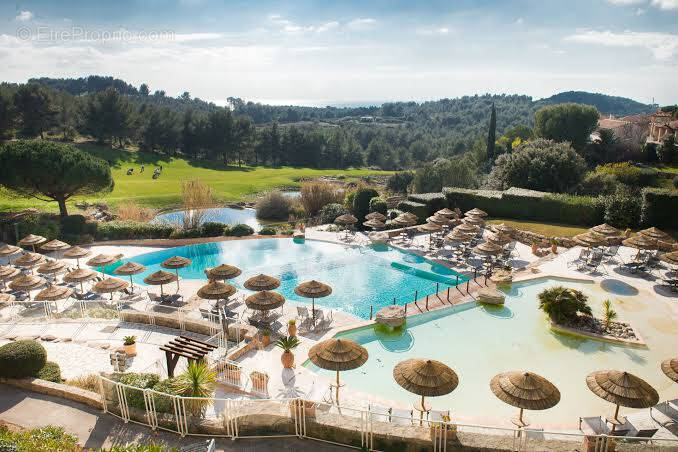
(226, 215)
(361, 277)
(479, 342)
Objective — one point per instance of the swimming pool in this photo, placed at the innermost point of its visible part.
(226, 215)
(360, 277)
(480, 342)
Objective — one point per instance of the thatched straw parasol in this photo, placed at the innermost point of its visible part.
(264, 301)
(670, 258)
(129, 269)
(429, 227)
(476, 212)
(54, 293)
(29, 260)
(160, 278)
(110, 285)
(622, 389)
(345, 219)
(102, 260)
(313, 289)
(502, 228)
(7, 273)
(606, 230)
(403, 220)
(526, 391)
(457, 236)
(438, 219)
(6, 298)
(590, 239)
(446, 213)
(640, 242)
(338, 354)
(499, 239)
(376, 216)
(77, 253)
(8, 251)
(215, 290)
(374, 224)
(657, 234)
(465, 228)
(474, 220)
(425, 377)
(670, 368)
(32, 240)
(488, 249)
(51, 267)
(262, 282)
(223, 272)
(79, 276)
(26, 283)
(55, 245)
(176, 262)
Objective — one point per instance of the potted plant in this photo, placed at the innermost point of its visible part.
(292, 327)
(535, 247)
(265, 338)
(554, 246)
(259, 382)
(130, 345)
(287, 344)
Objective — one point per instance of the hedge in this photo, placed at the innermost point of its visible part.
(50, 372)
(417, 208)
(521, 204)
(361, 203)
(239, 230)
(120, 230)
(659, 207)
(22, 359)
(434, 201)
(378, 205)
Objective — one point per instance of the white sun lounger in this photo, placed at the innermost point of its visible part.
(401, 416)
(379, 413)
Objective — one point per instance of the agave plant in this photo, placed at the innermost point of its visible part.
(563, 304)
(196, 381)
(609, 314)
(287, 343)
(130, 340)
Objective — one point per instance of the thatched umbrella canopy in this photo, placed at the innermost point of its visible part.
(457, 236)
(524, 390)
(345, 219)
(476, 212)
(425, 377)
(262, 282)
(6, 298)
(488, 249)
(160, 278)
(438, 219)
(657, 234)
(474, 220)
(641, 242)
(79, 276)
(7, 273)
(374, 224)
(403, 220)
(264, 301)
(223, 272)
(26, 283)
(338, 354)
(29, 260)
(670, 258)
(110, 285)
(77, 253)
(51, 267)
(502, 228)
(102, 260)
(130, 269)
(215, 290)
(313, 289)
(606, 230)
(32, 240)
(54, 293)
(466, 228)
(176, 262)
(55, 245)
(376, 216)
(622, 389)
(8, 251)
(446, 213)
(670, 368)
(590, 239)
(499, 239)
(429, 227)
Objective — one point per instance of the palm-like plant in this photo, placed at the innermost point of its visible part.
(287, 343)
(609, 314)
(563, 304)
(196, 381)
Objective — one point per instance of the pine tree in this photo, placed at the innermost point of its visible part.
(491, 135)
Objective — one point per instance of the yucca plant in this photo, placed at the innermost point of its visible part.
(609, 314)
(196, 381)
(563, 304)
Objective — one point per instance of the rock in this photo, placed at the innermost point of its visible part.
(48, 338)
(11, 336)
(502, 277)
(393, 316)
(490, 296)
(298, 235)
(104, 346)
(380, 238)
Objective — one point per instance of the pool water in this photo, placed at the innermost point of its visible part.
(359, 277)
(224, 215)
(480, 342)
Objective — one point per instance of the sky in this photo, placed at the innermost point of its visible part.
(350, 52)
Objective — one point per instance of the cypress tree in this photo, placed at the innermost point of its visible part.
(491, 135)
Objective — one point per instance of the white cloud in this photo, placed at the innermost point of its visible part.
(24, 16)
(433, 31)
(663, 46)
(287, 26)
(361, 23)
(519, 21)
(665, 4)
(626, 2)
(327, 26)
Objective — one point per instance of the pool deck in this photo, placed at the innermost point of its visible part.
(83, 353)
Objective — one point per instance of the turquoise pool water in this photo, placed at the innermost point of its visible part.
(224, 215)
(360, 277)
(480, 342)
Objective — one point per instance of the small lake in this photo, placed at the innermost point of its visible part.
(224, 215)
(291, 194)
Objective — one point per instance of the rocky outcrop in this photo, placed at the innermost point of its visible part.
(488, 295)
(392, 316)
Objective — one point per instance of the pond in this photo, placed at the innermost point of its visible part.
(226, 215)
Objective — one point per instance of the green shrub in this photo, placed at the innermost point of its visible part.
(122, 230)
(629, 174)
(141, 381)
(622, 209)
(434, 201)
(563, 304)
(73, 224)
(417, 208)
(595, 184)
(45, 225)
(331, 211)
(659, 207)
(164, 404)
(48, 438)
(273, 206)
(348, 200)
(675, 182)
(378, 205)
(239, 230)
(212, 229)
(186, 233)
(398, 182)
(50, 372)
(268, 230)
(22, 359)
(361, 202)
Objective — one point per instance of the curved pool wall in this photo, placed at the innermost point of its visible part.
(360, 277)
(226, 215)
(479, 342)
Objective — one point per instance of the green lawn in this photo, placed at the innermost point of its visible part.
(547, 229)
(229, 184)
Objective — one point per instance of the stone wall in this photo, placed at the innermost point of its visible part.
(56, 389)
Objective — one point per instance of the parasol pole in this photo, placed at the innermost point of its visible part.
(177, 271)
(616, 413)
(337, 396)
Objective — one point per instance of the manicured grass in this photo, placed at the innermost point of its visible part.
(673, 168)
(228, 184)
(547, 229)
